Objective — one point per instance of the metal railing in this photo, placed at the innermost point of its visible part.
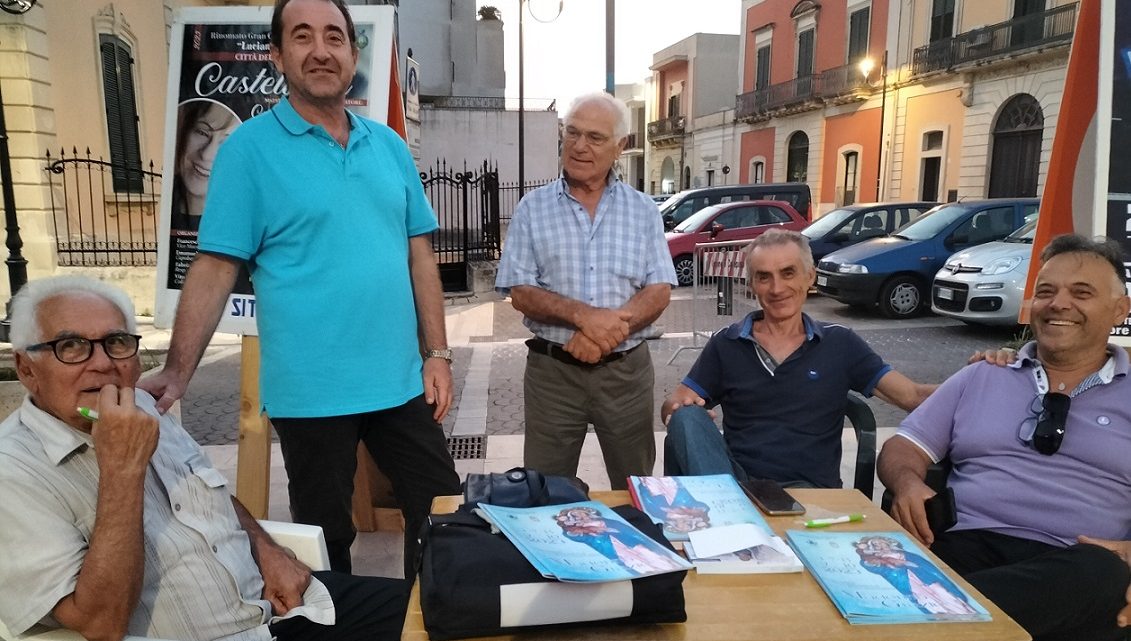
(778, 96)
(465, 102)
(843, 80)
(95, 225)
(667, 128)
(1051, 27)
(719, 274)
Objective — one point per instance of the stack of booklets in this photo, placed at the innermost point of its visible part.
(724, 532)
(583, 542)
(883, 577)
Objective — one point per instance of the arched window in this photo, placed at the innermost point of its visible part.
(797, 158)
(1016, 159)
(687, 177)
(757, 171)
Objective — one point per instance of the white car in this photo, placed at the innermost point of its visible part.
(986, 284)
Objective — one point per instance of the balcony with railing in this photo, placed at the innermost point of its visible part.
(803, 92)
(1047, 28)
(667, 131)
(632, 142)
(842, 81)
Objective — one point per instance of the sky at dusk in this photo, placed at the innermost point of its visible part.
(565, 56)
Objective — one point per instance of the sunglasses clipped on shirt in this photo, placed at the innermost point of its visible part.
(1047, 433)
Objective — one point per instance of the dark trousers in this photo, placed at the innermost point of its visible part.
(365, 608)
(1056, 594)
(320, 455)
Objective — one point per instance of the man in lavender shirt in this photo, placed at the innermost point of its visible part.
(1041, 454)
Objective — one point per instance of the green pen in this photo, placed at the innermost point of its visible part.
(88, 414)
(847, 518)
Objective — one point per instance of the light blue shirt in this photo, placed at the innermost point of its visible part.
(325, 233)
(601, 261)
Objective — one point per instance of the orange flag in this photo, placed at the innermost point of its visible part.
(396, 106)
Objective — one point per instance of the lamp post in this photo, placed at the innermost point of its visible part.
(17, 264)
(866, 66)
(522, 95)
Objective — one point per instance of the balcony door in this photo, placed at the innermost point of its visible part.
(1025, 29)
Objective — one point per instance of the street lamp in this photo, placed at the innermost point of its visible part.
(522, 94)
(866, 67)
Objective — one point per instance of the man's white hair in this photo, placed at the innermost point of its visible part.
(610, 102)
(25, 305)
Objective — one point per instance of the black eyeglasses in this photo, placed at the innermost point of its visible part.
(76, 349)
(1048, 432)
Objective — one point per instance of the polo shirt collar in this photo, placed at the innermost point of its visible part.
(746, 329)
(59, 439)
(297, 125)
(1117, 363)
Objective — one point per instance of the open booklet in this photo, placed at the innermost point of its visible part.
(883, 577)
(584, 542)
(684, 504)
(739, 549)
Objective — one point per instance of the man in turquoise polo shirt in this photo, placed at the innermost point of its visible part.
(327, 210)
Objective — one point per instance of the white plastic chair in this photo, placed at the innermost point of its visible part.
(306, 541)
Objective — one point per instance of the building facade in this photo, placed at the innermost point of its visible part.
(689, 131)
(918, 100)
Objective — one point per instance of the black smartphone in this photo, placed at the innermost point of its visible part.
(942, 514)
(771, 498)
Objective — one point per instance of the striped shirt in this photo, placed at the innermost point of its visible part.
(603, 261)
(200, 579)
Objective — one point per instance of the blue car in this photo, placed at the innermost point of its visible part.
(895, 272)
(853, 224)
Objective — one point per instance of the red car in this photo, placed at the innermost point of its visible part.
(729, 222)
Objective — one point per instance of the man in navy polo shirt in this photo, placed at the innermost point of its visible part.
(782, 379)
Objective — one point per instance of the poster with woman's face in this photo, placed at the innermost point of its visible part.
(222, 77)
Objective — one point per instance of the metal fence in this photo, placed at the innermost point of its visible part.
(719, 275)
(467, 208)
(96, 225)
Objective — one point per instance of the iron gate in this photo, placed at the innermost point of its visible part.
(467, 208)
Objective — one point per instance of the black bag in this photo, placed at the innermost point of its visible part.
(522, 487)
(471, 583)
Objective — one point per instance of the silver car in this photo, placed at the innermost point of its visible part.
(986, 284)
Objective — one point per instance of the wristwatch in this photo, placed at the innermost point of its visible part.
(445, 354)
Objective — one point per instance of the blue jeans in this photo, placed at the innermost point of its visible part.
(695, 446)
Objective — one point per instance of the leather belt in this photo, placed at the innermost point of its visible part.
(558, 353)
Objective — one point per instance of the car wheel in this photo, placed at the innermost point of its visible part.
(685, 270)
(901, 297)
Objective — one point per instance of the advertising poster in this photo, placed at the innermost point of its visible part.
(221, 75)
(1118, 211)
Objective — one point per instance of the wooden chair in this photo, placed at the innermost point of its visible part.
(306, 541)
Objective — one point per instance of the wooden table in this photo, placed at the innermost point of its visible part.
(777, 607)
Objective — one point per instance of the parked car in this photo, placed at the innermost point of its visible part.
(660, 199)
(856, 223)
(986, 284)
(895, 272)
(680, 206)
(732, 222)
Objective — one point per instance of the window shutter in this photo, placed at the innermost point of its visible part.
(121, 114)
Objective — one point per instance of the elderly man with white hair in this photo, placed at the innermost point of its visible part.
(586, 263)
(114, 521)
